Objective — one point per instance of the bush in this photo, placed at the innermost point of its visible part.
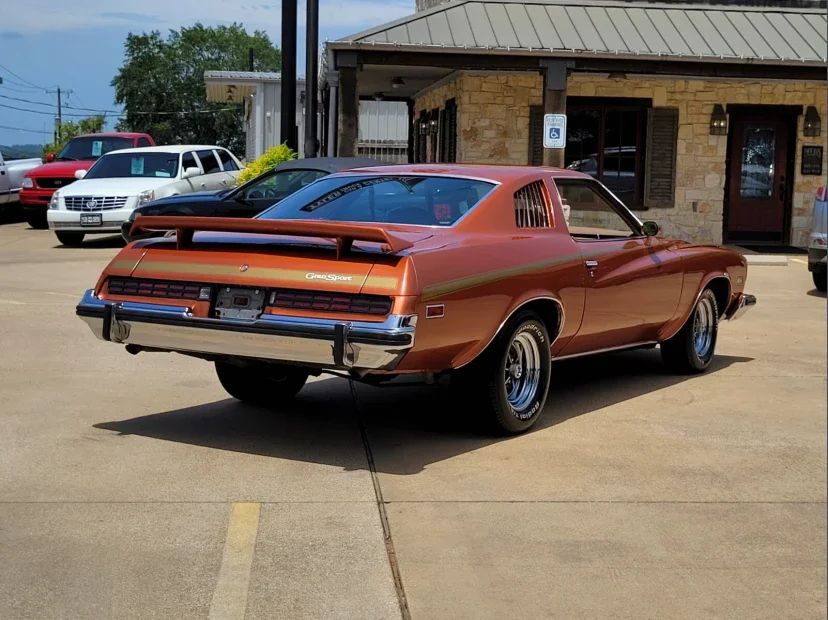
(272, 157)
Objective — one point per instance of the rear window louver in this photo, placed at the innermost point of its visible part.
(530, 207)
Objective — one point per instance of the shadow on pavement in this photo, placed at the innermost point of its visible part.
(815, 293)
(408, 427)
(96, 241)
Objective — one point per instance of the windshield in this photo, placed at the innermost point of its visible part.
(422, 200)
(93, 147)
(133, 165)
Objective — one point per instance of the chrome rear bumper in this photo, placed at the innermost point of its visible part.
(742, 305)
(323, 343)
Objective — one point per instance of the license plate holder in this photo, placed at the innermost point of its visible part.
(239, 303)
(91, 219)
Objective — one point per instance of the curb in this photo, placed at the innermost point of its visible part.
(766, 260)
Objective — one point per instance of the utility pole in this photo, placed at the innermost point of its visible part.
(288, 121)
(311, 73)
(59, 124)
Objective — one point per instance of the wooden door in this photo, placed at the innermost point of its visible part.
(758, 183)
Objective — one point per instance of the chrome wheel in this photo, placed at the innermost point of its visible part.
(522, 372)
(704, 324)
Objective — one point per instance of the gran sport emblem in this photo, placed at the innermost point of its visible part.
(243, 268)
(328, 277)
(91, 204)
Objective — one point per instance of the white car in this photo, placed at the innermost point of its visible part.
(123, 180)
(818, 241)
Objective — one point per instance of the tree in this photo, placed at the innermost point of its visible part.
(161, 83)
(70, 129)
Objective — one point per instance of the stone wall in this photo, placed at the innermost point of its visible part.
(701, 172)
(492, 114)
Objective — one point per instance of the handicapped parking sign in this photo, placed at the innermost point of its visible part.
(554, 131)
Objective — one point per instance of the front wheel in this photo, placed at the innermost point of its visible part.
(692, 348)
(263, 385)
(509, 382)
(70, 238)
(820, 280)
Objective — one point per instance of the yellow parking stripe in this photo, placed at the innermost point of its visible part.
(230, 595)
(800, 261)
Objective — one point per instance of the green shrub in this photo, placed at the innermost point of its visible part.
(272, 157)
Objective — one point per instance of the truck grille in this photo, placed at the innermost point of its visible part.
(95, 203)
(53, 183)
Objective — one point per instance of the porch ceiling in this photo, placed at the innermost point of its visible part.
(378, 79)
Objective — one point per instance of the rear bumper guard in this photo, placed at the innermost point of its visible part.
(324, 343)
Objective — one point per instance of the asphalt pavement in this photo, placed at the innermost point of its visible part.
(133, 487)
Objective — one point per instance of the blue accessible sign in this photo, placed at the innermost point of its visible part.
(554, 131)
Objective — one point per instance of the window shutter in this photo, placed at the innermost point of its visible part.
(536, 135)
(451, 131)
(443, 136)
(660, 167)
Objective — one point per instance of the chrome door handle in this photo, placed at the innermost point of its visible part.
(592, 265)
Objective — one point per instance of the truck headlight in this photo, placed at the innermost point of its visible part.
(27, 183)
(55, 202)
(145, 197)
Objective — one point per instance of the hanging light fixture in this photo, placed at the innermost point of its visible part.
(718, 121)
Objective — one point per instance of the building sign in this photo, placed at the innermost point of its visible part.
(811, 160)
(554, 131)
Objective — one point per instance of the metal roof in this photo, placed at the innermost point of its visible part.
(609, 28)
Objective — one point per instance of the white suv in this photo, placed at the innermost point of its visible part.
(121, 181)
(818, 241)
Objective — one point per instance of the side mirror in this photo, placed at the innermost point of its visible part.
(79, 174)
(650, 228)
(190, 172)
(50, 158)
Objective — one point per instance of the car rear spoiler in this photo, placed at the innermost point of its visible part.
(344, 233)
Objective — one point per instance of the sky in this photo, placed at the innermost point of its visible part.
(78, 46)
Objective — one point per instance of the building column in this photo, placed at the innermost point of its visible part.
(348, 105)
(554, 102)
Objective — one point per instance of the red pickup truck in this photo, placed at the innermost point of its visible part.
(79, 154)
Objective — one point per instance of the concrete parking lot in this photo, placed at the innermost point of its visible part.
(133, 487)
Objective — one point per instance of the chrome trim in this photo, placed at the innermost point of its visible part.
(622, 347)
(552, 339)
(359, 345)
(746, 302)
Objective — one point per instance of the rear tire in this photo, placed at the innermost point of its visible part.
(70, 239)
(509, 382)
(262, 385)
(37, 220)
(820, 280)
(692, 348)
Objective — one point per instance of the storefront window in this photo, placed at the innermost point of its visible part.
(606, 141)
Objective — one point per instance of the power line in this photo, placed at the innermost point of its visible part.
(42, 131)
(27, 101)
(27, 91)
(123, 114)
(22, 79)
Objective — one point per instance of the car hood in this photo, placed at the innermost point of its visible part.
(185, 198)
(60, 168)
(114, 187)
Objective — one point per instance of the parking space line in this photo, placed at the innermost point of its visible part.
(800, 261)
(230, 595)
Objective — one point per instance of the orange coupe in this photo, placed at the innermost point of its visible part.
(486, 274)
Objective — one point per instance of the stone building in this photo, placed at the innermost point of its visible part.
(708, 116)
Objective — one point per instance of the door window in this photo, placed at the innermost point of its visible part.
(143, 142)
(227, 161)
(188, 160)
(282, 184)
(209, 163)
(758, 156)
(591, 214)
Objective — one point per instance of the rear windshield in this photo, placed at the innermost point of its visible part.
(422, 200)
(93, 147)
(130, 165)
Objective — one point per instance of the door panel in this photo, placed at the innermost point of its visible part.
(631, 292)
(758, 184)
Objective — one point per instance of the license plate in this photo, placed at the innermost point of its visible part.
(240, 303)
(91, 219)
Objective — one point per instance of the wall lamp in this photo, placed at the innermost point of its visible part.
(718, 121)
(423, 128)
(813, 123)
(432, 126)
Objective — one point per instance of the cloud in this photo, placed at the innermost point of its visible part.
(133, 17)
(43, 16)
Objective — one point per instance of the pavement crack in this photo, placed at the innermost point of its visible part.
(405, 612)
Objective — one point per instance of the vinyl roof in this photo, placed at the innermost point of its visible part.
(610, 28)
